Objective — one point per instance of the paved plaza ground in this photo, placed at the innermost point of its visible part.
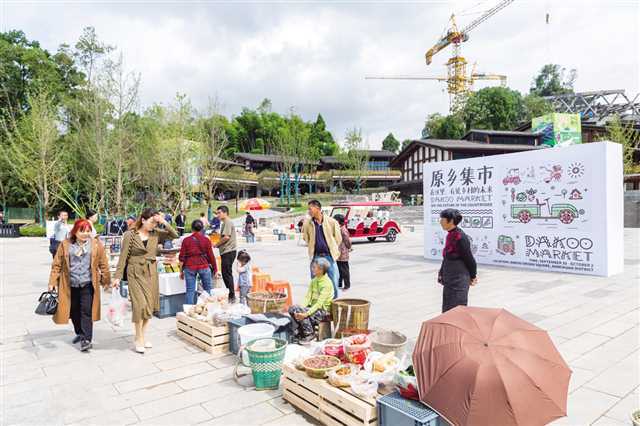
(46, 380)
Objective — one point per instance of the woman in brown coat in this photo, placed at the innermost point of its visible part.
(79, 267)
(138, 259)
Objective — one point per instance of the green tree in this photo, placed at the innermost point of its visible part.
(25, 68)
(390, 143)
(535, 106)
(293, 153)
(213, 142)
(354, 156)
(321, 139)
(405, 143)
(443, 127)
(553, 80)
(629, 138)
(493, 108)
(34, 153)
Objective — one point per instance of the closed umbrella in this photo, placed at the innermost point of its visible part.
(254, 204)
(481, 366)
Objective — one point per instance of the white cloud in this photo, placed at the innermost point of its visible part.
(314, 56)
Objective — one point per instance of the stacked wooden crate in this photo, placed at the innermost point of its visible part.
(204, 335)
(328, 404)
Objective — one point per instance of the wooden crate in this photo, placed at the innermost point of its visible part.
(203, 335)
(328, 404)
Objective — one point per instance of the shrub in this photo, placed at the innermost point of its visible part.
(33, 230)
(99, 228)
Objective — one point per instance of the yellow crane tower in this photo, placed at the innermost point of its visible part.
(459, 83)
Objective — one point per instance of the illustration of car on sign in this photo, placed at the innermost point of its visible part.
(512, 177)
(566, 213)
(506, 245)
(369, 219)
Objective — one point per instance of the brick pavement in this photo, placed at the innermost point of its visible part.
(45, 380)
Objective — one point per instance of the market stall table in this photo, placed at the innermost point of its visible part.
(328, 404)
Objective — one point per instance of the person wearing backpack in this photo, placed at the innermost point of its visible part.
(196, 260)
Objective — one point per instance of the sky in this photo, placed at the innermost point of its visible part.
(313, 56)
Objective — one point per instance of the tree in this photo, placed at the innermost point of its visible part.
(122, 89)
(235, 181)
(321, 139)
(629, 138)
(293, 151)
(405, 143)
(268, 180)
(493, 108)
(553, 80)
(443, 127)
(213, 143)
(535, 106)
(355, 156)
(390, 143)
(34, 154)
(25, 68)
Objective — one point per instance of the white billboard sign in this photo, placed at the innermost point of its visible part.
(550, 209)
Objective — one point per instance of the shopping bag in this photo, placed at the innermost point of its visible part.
(117, 308)
(47, 303)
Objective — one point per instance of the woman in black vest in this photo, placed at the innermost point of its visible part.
(458, 269)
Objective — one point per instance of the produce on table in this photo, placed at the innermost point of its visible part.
(343, 376)
(385, 362)
(334, 347)
(407, 384)
(368, 389)
(317, 366)
(357, 348)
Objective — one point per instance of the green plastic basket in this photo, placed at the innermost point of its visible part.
(266, 367)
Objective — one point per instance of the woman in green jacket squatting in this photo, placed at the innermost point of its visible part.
(317, 303)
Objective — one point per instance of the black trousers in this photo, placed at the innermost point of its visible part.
(305, 328)
(81, 307)
(452, 297)
(345, 274)
(226, 263)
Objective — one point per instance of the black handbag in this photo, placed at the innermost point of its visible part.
(48, 303)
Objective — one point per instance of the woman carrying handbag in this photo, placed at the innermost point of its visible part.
(138, 257)
(79, 268)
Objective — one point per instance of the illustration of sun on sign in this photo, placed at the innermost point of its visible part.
(576, 170)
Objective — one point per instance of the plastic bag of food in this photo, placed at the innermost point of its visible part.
(334, 347)
(343, 376)
(117, 309)
(357, 348)
(294, 354)
(381, 368)
(202, 298)
(367, 389)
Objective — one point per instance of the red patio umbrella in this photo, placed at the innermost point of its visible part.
(481, 366)
(254, 204)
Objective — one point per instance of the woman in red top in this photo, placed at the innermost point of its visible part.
(196, 259)
(458, 269)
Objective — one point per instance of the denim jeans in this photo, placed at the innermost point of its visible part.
(190, 278)
(333, 272)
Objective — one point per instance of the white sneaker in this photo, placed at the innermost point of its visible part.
(148, 345)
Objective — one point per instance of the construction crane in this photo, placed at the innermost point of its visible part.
(456, 97)
(459, 84)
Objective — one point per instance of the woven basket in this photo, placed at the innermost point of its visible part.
(261, 302)
(266, 366)
(350, 314)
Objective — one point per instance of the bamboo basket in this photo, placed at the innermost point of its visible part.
(261, 302)
(350, 314)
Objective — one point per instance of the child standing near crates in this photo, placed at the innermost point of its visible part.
(244, 275)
